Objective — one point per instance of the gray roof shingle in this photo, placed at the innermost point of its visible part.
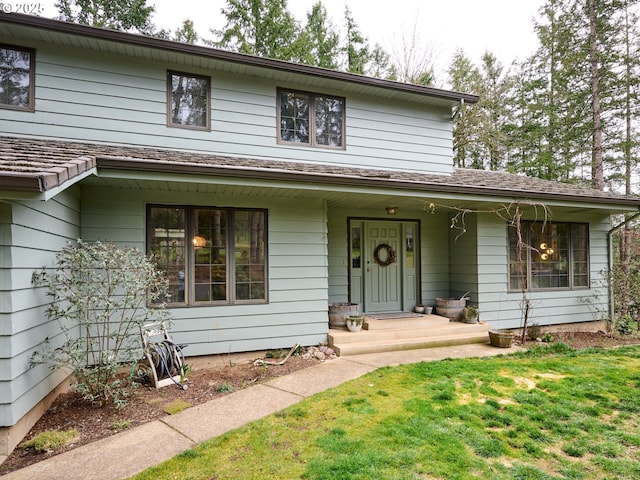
(40, 165)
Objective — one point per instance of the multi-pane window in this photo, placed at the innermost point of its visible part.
(16, 78)
(188, 100)
(311, 119)
(210, 255)
(549, 256)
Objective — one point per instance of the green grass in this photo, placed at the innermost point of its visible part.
(51, 440)
(551, 413)
(176, 406)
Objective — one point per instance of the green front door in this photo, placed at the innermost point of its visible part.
(383, 266)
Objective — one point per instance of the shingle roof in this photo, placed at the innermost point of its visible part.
(39, 165)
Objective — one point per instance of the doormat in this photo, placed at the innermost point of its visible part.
(393, 316)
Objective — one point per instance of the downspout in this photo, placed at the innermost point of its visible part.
(610, 260)
(458, 110)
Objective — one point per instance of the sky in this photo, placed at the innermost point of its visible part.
(503, 27)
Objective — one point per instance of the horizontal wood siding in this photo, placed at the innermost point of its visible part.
(502, 309)
(297, 250)
(434, 253)
(463, 258)
(32, 232)
(114, 99)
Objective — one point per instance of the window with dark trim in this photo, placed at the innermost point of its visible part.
(311, 119)
(17, 85)
(210, 255)
(188, 100)
(550, 256)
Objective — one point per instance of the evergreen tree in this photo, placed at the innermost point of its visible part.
(264, 28)
(356, 47)
(125, 15)
(494, 105)
(464, 76)
(186, 33)
(323, 39)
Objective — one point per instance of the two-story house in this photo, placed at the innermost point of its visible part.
(267, 191)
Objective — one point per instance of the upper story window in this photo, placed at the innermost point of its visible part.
(17, 67)
(210, 255)
(189, 100)
(553, 256)
(311, 119)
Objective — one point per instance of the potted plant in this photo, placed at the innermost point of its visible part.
(419, 308)
(470, 314)
(502, 339)
(355, 322)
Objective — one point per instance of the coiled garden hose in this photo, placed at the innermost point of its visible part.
(168, 360)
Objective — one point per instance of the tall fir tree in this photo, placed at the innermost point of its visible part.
(125, 15)
(356, 46)
(464, 76)
(264, 28)
(322, 37)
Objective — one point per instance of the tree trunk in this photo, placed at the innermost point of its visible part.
(597, 173)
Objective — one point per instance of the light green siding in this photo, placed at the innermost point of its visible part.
(31, 232)
(487, 235)
(99, 97)
(297, 259)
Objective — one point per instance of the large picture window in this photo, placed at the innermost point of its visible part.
(188, 101)
(550, 256)
(311, 119)
(210, 255)
(17, 78)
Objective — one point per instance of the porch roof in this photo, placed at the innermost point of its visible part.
(41, 165)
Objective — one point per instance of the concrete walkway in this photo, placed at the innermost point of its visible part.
(132, 451)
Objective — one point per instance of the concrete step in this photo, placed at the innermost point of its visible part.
(424, 321)
(337, 336)
(344, 342)
(409, 344)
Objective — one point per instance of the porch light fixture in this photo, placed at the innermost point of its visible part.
(392, 210)
(199, 241)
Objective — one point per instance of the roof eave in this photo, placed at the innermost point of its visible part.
(227, 56)
(128, 164)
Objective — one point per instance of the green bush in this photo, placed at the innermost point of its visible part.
(101, 295)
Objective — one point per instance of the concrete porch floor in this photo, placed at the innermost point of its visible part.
(396, 334)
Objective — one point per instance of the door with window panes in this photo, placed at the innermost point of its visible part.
(383, 265)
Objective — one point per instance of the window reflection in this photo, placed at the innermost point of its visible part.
(16, 78)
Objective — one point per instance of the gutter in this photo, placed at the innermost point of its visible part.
(379, 181)
(610, 260)
(228, 56)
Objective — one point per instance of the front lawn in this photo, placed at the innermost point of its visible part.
(546, 414)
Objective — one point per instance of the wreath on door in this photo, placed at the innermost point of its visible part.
(391, 255)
